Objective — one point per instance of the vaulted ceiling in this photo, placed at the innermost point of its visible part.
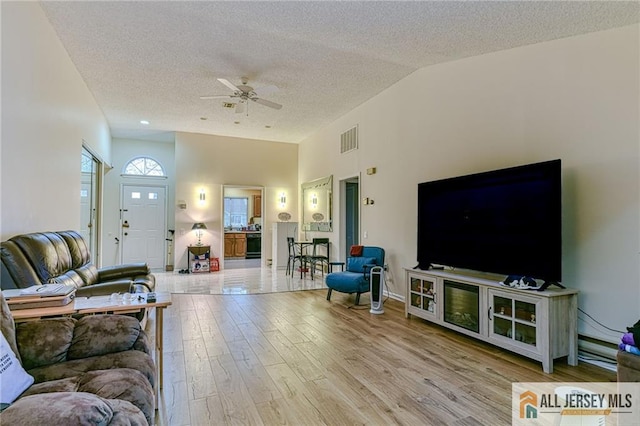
(152, 61)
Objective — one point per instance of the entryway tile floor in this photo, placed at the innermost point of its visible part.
(237, 281)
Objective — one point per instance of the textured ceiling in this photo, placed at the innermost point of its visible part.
(153, 60)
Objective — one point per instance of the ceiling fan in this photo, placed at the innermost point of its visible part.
(244, 93)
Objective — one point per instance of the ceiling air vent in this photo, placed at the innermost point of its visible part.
(228, 105)
(349, 140)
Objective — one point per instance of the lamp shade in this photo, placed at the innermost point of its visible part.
(199, 225)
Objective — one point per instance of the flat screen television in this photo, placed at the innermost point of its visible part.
(506, 221)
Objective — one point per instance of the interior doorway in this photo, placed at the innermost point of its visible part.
(242, 226)
(349, 213)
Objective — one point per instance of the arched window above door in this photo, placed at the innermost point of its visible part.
(143, 166)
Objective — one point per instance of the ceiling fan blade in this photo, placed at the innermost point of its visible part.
(216, 97)
(265, 90)
(239, 107)
(229, 84)
(267, 103)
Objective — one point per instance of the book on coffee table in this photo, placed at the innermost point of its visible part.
(32, 297)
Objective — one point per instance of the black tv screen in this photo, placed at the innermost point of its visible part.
(506, 221)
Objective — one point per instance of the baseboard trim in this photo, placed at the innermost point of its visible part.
(396, 296)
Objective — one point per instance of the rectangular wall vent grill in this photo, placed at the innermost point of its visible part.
(349, 140)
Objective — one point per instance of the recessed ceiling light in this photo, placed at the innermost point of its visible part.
(236, 122)
(203, 118)
(144, 121)
(267, 127)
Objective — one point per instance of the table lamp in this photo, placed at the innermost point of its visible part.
(199, 226)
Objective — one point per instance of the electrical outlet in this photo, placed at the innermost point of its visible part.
(365, 235)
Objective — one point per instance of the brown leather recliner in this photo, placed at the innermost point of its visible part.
(63, 257)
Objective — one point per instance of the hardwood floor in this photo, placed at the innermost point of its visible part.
(294, 358)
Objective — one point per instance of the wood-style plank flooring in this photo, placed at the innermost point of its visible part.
(294, 358)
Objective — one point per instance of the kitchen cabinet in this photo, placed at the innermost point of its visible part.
(228, 245)
(235, 245)
(257, 206)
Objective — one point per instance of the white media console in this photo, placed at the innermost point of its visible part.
(542, 325)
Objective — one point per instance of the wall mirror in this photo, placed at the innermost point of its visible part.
(317, 205)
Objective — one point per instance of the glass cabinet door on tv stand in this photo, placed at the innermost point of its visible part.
(515, 319)
(422, 296)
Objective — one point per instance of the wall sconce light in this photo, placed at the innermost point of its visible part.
(202, 196)
(314, 200)
(198, 227)
(283, 200)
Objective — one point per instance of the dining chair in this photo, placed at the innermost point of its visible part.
(295, 255)
(320, 255)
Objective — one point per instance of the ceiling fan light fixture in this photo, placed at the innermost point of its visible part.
(244, 93)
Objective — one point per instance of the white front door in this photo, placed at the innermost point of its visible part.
(143, 225)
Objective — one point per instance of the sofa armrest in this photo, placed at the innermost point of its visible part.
(140, 286)
(105, 289)
(628, 367)
(130, 270)
(366, 269)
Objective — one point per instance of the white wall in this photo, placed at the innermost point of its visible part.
(123, 151)
(47, 111)
(576, 99)
(210, 162)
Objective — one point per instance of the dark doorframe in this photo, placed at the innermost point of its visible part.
(351, 214)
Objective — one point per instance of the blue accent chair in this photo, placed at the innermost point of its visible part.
(356, 277)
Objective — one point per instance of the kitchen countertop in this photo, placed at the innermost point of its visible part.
(243, 232)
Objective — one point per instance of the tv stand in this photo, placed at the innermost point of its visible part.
(541, 325)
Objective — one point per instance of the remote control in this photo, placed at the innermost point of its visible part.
(151, 297)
